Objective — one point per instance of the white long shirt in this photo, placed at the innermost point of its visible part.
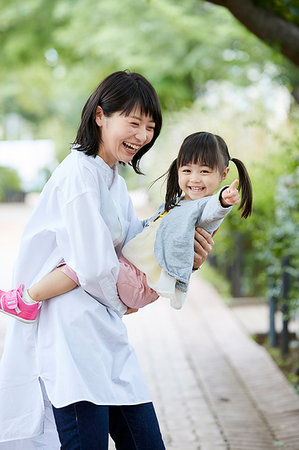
(78, 347)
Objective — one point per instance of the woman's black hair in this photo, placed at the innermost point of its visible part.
(209, 150)
(121, 91)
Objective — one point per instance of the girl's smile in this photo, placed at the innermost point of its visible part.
(198, 181)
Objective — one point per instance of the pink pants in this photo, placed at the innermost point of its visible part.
(132, 287)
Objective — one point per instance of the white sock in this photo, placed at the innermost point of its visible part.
(27, 299)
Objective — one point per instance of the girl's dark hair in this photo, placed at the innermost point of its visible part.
(208, 150)
(121, 91)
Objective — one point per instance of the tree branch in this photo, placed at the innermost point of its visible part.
(266, 25)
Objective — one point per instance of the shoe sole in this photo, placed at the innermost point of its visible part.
(18, 318)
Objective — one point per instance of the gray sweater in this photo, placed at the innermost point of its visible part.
(174, 244)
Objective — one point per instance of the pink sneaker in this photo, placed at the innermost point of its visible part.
(12, 303)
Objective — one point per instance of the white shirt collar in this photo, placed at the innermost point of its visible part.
(108, 173)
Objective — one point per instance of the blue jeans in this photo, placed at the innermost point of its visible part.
(85, 426)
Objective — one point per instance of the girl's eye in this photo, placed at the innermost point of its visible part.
(205, 171)
(135, 124)
(186, 170)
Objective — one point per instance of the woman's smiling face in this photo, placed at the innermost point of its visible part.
(123, 136)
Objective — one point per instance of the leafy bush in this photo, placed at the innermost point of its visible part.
(9, 182)
(282, 249)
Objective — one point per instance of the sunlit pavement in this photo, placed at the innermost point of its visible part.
(213, 387)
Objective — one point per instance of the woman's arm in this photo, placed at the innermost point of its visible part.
(203, 244)
(135, 225)
(86, 244)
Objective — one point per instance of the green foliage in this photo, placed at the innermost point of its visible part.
(9, 182)
(272, 232)
(282, 243)
(287, 9)
(54, 53)
(289, 364)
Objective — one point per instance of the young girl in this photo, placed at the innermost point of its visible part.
(159, 260)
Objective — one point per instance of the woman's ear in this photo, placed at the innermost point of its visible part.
(224, 174)
(99, 116)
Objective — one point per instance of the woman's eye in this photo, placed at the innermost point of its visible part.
(135, 124)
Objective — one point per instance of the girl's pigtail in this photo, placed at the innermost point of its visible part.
(245, 187)
(173, 189)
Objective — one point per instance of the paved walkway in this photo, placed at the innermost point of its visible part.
(213, 387)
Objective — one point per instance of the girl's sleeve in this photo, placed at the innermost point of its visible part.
(159, 211)
(213, 213)
(87, 247)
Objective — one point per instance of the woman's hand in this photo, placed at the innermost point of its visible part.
(203, 244)
(130, 311)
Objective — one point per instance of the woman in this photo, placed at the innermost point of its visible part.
(75, 361)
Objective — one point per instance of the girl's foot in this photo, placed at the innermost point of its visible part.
(12, 303)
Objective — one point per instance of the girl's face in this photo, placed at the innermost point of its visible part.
(198, 181)
(123, 136)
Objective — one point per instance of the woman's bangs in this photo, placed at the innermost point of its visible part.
(147, 106)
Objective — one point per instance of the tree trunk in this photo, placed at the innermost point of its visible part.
(269, 27)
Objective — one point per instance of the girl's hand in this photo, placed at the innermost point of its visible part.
(203, 244)
(231, 196)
